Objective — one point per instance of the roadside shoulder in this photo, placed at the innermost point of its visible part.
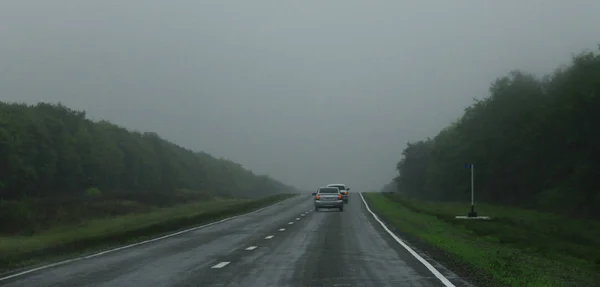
(50, 255)
(457, 272)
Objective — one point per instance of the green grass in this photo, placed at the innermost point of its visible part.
(90, 235)
(516, 248)
(30, 216)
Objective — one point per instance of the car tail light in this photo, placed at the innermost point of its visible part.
(318, 197)
(345, 192)
(339, 196)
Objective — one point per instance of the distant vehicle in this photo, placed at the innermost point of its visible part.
(328, 197)
(343, 189)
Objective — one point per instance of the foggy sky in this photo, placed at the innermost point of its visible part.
(309, 92)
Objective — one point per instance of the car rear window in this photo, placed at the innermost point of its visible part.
(340, 187)
(329, 190)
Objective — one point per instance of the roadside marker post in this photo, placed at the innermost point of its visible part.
(472, 214)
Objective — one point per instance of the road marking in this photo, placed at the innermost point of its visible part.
(435, 272)
(269, 237)
(136, 244)
(291, 222)
(251, 248)
(297, 218)
(221, 265)
(281, 229)
(302, 214)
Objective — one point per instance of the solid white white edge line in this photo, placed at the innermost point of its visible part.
(136, 244)
(221, 264)
(435, 272)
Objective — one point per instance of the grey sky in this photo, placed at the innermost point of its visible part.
(309, 92)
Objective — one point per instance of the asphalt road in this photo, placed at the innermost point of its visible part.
(285, 245)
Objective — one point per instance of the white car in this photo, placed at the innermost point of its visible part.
(343, 190)
(328, 197)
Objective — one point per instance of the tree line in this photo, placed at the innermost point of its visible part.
(534, 142)
(50, 151)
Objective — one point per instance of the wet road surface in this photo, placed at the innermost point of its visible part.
(284, 245)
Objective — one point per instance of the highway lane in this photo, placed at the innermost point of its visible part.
(284, 245)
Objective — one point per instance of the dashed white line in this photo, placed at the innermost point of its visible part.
(251, 248)
(281, 229)
(302, 214)
(297, 218)
(269, 237)
(221, 264)
(291, 222)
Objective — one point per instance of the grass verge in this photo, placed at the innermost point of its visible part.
(93, 235)
(516, 248)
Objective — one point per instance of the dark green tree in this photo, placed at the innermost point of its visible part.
(50, 151)
(535, 144)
